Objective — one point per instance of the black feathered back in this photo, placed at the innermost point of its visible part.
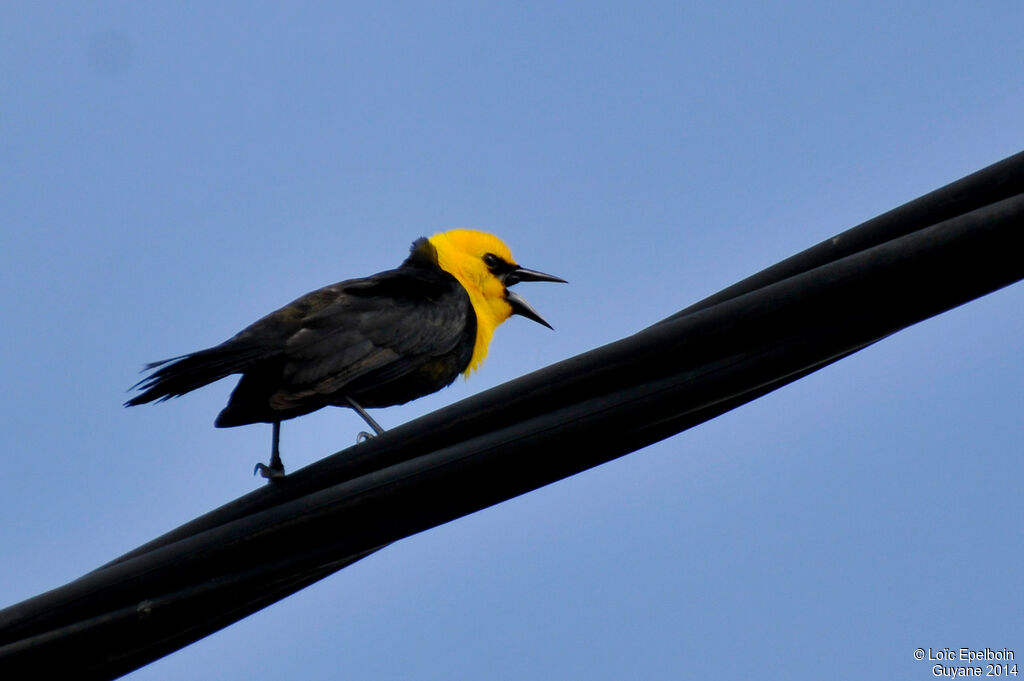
(381, 340)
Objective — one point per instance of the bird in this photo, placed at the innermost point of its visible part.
(361, 343)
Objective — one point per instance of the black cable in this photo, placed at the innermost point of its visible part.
(940, 251)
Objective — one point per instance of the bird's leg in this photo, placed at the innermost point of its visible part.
(276, 468)
(363, 435)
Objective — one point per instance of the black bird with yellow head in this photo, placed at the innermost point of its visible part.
(373, 342)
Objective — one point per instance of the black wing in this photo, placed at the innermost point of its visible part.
(377, 331)
(363, 335)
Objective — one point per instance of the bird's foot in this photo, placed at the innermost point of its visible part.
(270, 472)
(363, 436)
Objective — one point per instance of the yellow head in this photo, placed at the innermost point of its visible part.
(484, 266)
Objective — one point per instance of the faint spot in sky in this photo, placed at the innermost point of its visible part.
(110, 52)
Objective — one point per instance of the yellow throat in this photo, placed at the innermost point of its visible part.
(460, 252)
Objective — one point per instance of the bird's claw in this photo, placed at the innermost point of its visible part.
(269, 472)
(363, 436)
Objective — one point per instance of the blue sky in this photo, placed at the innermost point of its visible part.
(170, 173)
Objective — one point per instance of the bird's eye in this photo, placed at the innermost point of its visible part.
(492, 260)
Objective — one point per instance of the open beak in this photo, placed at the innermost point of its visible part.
(518, 303)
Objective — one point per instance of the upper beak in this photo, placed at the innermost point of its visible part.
(522, 274)
(518, 303)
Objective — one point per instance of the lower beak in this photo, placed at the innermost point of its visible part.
(523, 308)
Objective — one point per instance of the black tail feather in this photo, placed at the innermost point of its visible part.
(179, 375)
